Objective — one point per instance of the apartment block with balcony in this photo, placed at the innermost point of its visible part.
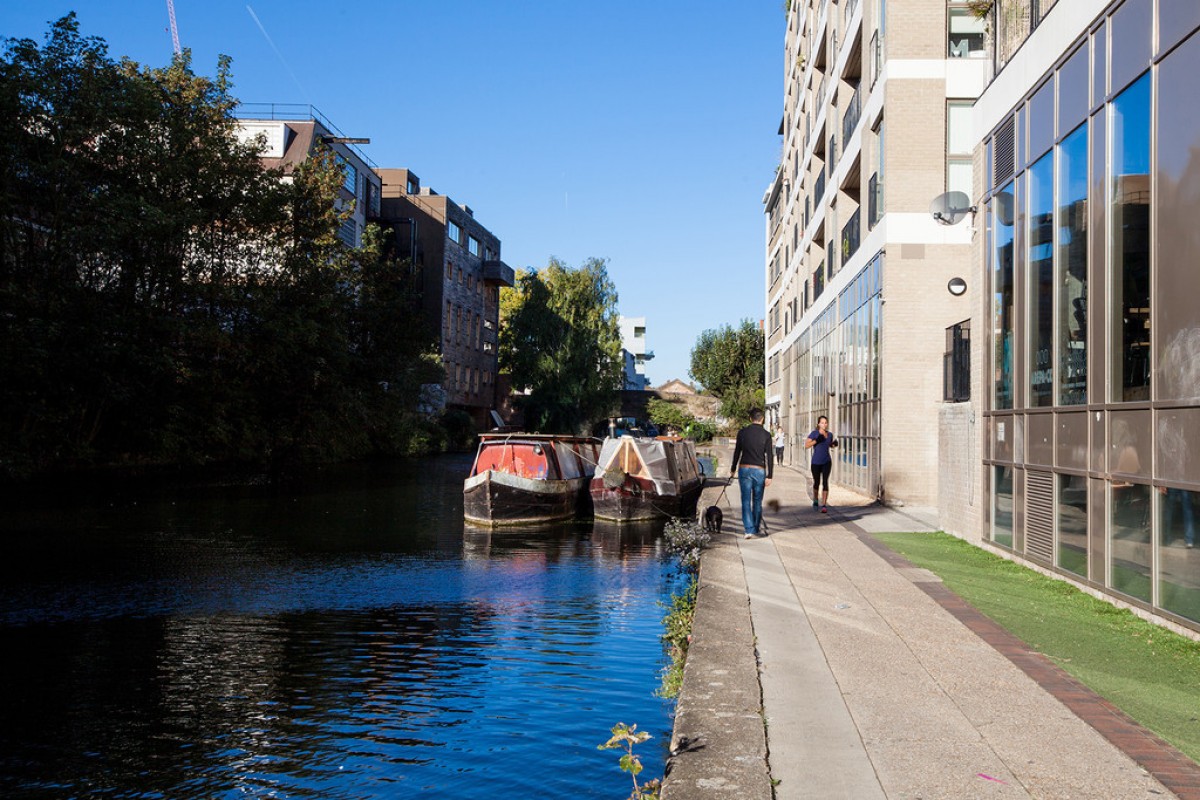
(291, 133)
(461, 272)
(876, 125)
(1087, 159)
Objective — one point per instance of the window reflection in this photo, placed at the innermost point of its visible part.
(1002, 288)
(1176, 312)
(1041, 280)
(1130, 527)
(1072, 267)
(1179, 560)
(1073, 523)
(1002, 509)
(1130, 226)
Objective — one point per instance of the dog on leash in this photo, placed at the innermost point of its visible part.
(713, 519)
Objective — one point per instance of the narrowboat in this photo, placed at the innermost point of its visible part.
(643, 478)
(529, 478)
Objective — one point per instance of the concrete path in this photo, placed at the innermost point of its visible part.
(823, 667)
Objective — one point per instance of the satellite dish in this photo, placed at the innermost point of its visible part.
(951, 207)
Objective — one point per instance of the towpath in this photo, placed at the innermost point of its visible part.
(825, 666)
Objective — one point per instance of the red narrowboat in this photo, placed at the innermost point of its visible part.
(526, 478)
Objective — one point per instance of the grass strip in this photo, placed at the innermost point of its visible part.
(1150, 673)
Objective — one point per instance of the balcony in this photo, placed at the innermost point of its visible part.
(851, 237)
(874, 201)
(876, 57)
(497, 273)
(853, 114)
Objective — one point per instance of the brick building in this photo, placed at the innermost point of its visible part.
(461, 274)
(290, 134)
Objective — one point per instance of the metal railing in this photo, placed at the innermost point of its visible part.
(851, 236)
(296, 112)
(853, 114)
(874, 200)
(876, 56)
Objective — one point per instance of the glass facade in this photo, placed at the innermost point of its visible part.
(1094, 349)
(835, 367)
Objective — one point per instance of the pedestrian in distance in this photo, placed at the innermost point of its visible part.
(780, 441)
(753, 463)
(819, 441)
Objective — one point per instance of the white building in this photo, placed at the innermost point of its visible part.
(634, 352)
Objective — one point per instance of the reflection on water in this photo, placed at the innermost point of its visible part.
(350, 640)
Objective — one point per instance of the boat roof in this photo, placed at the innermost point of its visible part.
(541, 437)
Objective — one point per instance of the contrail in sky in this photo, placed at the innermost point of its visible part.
(282, 60)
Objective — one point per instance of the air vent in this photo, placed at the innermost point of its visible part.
(1005, 157)
(1039, 515)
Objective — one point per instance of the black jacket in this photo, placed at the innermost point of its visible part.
(754, 448)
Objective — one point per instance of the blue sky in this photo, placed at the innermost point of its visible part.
(640, 132)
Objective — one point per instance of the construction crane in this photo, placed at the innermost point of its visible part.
(174, 29)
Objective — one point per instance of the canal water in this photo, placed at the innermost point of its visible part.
(345, 639)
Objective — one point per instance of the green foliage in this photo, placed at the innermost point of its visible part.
(560, 338)
(459, 427)
(729, 362)
(677, 636)
(166, 300)
(1150, 673)
(626, 737)
(666, 414)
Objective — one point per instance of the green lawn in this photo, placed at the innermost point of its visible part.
(1150, 673)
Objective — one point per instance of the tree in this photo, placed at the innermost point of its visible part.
(729, 363)
(166, 300)
(560, 338)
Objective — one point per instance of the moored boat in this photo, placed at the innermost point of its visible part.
(528, 478)
(643, 478)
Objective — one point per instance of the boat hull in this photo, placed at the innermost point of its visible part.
(637, 500)
(497, 499)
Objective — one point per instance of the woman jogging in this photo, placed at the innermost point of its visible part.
(819, 441)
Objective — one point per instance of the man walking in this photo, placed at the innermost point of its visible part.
(754, 464)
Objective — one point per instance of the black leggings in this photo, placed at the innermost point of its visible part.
(820, 473)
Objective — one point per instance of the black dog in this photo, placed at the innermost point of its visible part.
(712, 519)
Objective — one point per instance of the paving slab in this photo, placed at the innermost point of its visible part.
(871, 683)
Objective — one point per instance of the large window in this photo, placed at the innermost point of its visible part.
(453, 232)
(1002, 505)
(1041, 281)
(966, 34)
(1179, 561)
(959, 141)
(1176, 310)
(1072, 267)
(956, 363)
(1129, 225)
(1073, 523)
(1129, 523)
(1002, 291)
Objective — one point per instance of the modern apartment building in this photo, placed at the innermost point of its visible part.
(461, 274)
(1088, 171)
(876, 124)
(292, 132)
(634, 353)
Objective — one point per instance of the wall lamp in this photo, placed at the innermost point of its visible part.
(957, 287)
